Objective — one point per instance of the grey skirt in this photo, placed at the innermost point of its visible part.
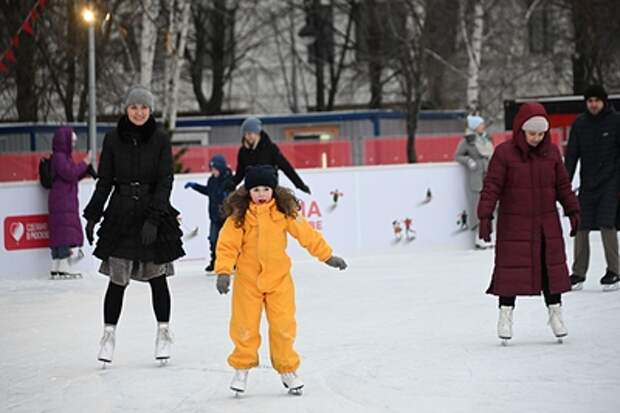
(122, 270)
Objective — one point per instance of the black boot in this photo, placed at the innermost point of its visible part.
(610, 280)
(576, 282)
(211, 266)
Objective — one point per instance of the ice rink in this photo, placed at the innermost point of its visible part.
(405, 333)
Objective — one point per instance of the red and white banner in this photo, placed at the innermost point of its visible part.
(26, 232)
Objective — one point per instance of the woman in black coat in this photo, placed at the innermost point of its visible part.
(258, 149)
(139, 237)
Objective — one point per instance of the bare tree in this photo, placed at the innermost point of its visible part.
(410, 62)
(148, 40)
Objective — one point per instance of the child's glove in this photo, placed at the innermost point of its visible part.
(336, 262)
(190, 185)
(485, 230)
(223, 283)
(471, 164)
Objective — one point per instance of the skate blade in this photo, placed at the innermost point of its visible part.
(296, 392)
(104, 363)
(237, 392)
(504, 340)
(611, 287)
(577, 287)
(163, 361)
(561, 340)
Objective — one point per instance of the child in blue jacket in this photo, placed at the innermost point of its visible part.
(215, 189)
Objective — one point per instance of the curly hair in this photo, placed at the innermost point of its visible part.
(238, 202)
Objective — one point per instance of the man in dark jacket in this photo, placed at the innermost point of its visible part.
(594, 139)
(216, 190)
(258, 149)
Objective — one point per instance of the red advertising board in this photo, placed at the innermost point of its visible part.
(26, 232)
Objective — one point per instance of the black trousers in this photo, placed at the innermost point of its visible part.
(509, 301)
(160, 297)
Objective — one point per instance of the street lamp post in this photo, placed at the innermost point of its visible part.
(89, 17)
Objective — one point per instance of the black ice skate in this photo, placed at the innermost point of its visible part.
(576, 282)
(610, 281)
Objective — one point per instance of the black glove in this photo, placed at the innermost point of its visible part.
(149, 233)
(336, 262)
(223, 283)
(304, 188)
(90, 231)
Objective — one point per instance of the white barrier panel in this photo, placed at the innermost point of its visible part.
(360, 210)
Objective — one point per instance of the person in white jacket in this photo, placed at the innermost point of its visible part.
(474, 152)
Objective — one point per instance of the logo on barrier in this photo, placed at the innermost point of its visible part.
(26, 232)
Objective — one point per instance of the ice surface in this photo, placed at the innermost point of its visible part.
(405, 333)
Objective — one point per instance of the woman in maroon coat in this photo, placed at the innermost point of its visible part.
(527, 176)
(64, 219)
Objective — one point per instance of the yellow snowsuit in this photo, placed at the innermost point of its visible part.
(258, 250)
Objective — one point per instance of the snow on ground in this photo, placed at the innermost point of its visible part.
(390, 334)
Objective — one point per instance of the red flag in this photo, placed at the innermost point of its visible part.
(41, 3)
(15, 41)
(3, 68)
(27, 27)
(10, 56)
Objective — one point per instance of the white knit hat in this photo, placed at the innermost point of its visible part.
(474, 121)
(536, 124)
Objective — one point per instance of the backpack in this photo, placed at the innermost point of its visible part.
(45, 172)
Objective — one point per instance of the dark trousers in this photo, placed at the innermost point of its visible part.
(160, 295)
(509, 301)
(214, 233)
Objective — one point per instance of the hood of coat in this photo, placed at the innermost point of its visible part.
(62, 141)
(128, 131)
(526, 111)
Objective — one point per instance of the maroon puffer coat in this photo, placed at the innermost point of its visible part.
(527, 181)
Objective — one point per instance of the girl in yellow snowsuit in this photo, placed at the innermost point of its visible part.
(252, 243)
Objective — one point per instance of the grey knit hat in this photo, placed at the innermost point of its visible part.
(139, 95)
(251, 124)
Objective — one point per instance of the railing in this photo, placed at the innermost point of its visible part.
(376, 151)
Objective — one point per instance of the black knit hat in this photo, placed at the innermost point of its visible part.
(260, 175)
(597, 91)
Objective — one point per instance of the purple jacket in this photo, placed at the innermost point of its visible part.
(64, 220)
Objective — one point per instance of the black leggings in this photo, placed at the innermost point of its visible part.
(509, 301)
(160, 295)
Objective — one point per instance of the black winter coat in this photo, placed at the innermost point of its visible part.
(137, 163)
(265, 153)
(595, 140)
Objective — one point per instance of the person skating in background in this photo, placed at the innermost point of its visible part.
(64, 217)
(253, 240)
(217, 190)
(474, 152)
(139, 237)
(258, 149)
(527, 176)
(595, 141)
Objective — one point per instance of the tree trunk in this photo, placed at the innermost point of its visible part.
(374, 55)
(148, 41)
(178, 63)
(474, 54)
